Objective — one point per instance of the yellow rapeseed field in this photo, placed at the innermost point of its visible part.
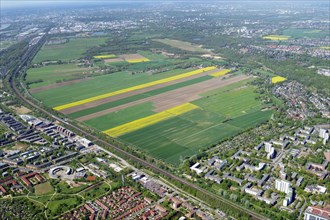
(278, 79)
(325, 47)
(276, 37)
(133, 88)
(150, 120)
(105, 56)
(221, 72)
(138, 60)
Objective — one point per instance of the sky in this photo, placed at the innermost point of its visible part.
(24, 3)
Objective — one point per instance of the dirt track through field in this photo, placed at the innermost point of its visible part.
(56, 85)
(173, 98)
(135, 92)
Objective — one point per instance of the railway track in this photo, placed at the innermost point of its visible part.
(151, 166)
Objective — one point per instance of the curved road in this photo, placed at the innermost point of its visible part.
(156, 169)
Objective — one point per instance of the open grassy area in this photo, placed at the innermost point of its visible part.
(310, 33)
(99, 85)
(61, 204)
(4, 44)
(43, 188)
(73, 49)
(183, 45)
(64, 188)
(98, 191)
(51, 74)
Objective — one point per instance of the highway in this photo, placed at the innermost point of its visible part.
(144, 163)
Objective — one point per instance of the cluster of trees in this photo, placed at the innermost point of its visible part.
(20, 209)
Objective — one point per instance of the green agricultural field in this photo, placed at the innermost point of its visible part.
(52, 74)
(264, 72)
(183, 45)
(223, 113)
(71, 50)
(179, 137)
(152, 56)
(231, 103)
(300, 33)
(153, 64)
(250, 120)
(98, 85)
(43, 188)
(137, 97)
(121, 117)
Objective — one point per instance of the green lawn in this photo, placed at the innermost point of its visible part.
(66, 189)
(98, 85)
(43, 188)
(61, 204)
(42, 198)
(68, 51)
(51, 74)
(97, 191)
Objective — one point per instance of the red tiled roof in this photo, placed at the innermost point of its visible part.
(91, 178)
(2, 189)
(325, 213)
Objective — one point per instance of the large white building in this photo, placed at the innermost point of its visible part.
(282, 185)
(323, 133)
(268, 146)
(289, 198)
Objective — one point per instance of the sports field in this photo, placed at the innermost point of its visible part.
(43, 188)
(71, 50)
